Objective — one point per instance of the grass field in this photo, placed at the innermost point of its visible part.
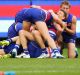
(47, 66)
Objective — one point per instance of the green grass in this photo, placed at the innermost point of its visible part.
(47, 66)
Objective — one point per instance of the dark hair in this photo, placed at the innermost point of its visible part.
(65, 14)
(65, 3)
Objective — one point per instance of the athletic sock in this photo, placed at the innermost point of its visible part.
(10, 40)
(1, 47)
(44, 50)
(55, 50)
(14, 51)
(61, 51)
(26, 51)
(16, 46)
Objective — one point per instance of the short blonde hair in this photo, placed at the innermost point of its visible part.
(65, 3)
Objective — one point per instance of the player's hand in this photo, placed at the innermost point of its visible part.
(35, 6)
(65, 25)
(51, 11)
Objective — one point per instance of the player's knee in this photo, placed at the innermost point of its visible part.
(35, 32)
(71, 55)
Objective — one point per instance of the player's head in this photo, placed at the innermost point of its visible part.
(62, 14)
(65, 5)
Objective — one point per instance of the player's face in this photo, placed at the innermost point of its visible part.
(66, 8)
(60, 14)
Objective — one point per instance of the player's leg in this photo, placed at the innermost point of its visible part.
(2, 52)
(16, 47)
(16, 39)
(70, 40)
(3, 55)
(38, 38)
(40, 41)
(45, 34)
(27, 36)
(8, 41)
(5, 52)
(24, 42)
(71, 50)
(24, 37)
(55, 38)
(59, 43)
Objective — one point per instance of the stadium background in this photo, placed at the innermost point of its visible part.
(8, 9)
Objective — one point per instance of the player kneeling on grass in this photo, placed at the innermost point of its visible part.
(69, 34)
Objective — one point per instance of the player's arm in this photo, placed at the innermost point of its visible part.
(58, 27)
(73, 26)
(57, 20)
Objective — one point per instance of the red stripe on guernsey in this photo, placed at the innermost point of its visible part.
(10, 10)
(52, 29)
(48, 16)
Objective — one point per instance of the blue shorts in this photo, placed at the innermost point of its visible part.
(9, 48)
(11, 31)
(18, 27)
(53, 35)
(68, 38)
(19, 15)
(33, 14)
(34, 49)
